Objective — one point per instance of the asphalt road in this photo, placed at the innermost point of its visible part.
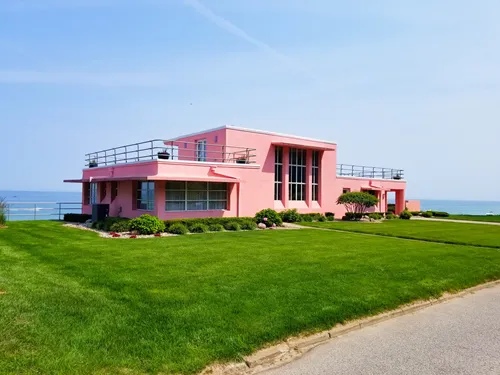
(461, 336)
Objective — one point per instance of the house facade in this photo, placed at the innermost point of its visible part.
(229, 171)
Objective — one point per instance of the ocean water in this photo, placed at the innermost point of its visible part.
(46, 207)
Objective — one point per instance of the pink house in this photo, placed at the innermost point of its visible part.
(229, 171)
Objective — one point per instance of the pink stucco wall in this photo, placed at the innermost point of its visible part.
(251, 186)
(413, 205)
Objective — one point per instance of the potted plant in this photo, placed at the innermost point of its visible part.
(397, 177)
(241, 160)
(164, 155)
(93, 163)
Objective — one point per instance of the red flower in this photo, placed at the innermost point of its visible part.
(157, 234)
(115, 235)
(133, 236)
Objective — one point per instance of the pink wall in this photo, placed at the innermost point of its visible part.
(253, 188)
(413, 205)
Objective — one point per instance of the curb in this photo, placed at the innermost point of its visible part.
(295, 347)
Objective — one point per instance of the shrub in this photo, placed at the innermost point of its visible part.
(440, 214)
(147, 224)
(3, 211)
(177, 228)
(352, 216)
(416, 213)
(405, 215)
(322, 218)
(391, 207)
(390, 216)
(307, 218)
(290, 216)
(76, 218)
(120, 226)
(198, 228)
(233, 226)
(427, 214)
(329, 214)
(271, 216)
(216, 228)
(248, 225)
(357, 201)
(375, 216)
(208, 221)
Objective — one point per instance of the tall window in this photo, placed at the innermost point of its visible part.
(92, 194)
(114, 190)
(297, 175)
(278, 173)
(145, 195)
(315, 175)
(201, 150)
(195, 196)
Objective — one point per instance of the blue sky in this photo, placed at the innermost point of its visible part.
(412, 85)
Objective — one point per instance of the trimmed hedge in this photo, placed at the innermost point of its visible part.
(439, 214)
(107, 224)
(208, 221)
(390, 216)
(427, 214)
(77, 218)
(315, 216)
(177, 228)
(352, 216)
(376, 216)
(405, 215)
(199, 228)
(120, 226)
(290, 216)
(248, 225)
(215, 228)
(416, 213)
(233, 226)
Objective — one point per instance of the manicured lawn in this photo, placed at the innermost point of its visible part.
(455, 233)
(491, 219)
(74, 303)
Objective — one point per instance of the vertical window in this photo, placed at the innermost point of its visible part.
(92, 194)
(346, 190)
(201, 150)
(145, 195)
(297, 175)
(103, 192)
(195, 196)
(278, 173)
(315, 175)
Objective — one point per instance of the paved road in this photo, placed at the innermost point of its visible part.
(461, 336)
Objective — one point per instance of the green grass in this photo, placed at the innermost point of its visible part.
(486, 218)
(74, 303)
(436, 231)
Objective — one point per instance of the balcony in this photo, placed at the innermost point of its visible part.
(174, 151)
(348, 170)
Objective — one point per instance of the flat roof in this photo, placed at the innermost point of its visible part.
(252, 131)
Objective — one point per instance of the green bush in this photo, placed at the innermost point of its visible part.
(322, 218)
(216, 228)
(233, 226)
(290, 216)
(352, 216)
(390, 216)
(271, 216)
(177, 228)
(440, 214)
(329, 214)
(3, 211)
(376, 216)
(248, 225)
(405, 215)
(306, 218)
(76, 218)
(330, 218)
(120, 226)
(427, 214)
(416, 213)
(208, 221)
(198, 228)
(147, 224)
(357, 201)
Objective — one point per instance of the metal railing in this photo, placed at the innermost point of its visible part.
(41, 210)
(348, 170)
(158, 149)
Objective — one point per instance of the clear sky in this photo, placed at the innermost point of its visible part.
(411, 84)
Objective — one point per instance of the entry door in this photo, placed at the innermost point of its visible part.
(201, 150)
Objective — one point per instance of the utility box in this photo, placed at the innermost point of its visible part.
(99, 212)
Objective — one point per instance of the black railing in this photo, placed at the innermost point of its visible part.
(158, 149)
(348, 170)
(41, 210)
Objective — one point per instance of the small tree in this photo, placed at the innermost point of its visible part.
(357, 203)
(3, 211)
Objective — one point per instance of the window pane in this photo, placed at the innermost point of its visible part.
(197, 185)
(176, 185)
(217, 195)
(176, 195)
(220, 205)
(217, 186)
(175, 206)
(197, 206)
(196, 195)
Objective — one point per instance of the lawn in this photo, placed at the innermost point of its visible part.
(438, 231)
(74, 303)
(486, 218)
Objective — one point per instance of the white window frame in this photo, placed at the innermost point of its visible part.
(278, 173)
(201, 150)
(150, 203)
(208, 200)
